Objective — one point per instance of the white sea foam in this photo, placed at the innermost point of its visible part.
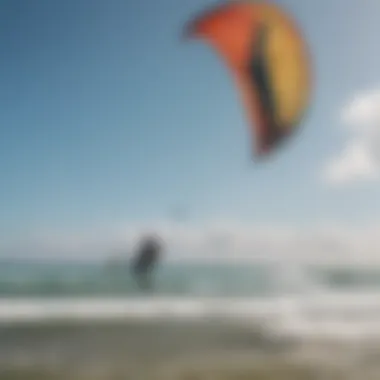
(341, 316)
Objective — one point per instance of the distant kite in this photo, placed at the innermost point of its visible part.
(269, 60)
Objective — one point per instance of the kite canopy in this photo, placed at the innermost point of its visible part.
(269, 60)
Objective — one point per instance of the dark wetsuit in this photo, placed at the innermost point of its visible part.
(145, 262)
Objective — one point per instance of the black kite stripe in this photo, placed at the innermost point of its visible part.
(258, 72)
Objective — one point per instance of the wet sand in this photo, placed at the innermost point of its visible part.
(172, 350)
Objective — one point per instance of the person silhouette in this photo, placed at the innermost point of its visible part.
(145, 261)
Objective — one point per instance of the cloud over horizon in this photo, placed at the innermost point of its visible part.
(359, 159)
(220, 240)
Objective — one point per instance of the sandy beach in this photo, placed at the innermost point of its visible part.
(168, 349)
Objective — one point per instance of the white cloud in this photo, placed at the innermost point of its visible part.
(363, 113)
(355, 162)
(227, 240)
(359, 159)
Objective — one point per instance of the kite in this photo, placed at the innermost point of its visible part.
(268, 58)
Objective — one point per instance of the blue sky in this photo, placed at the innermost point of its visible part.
(107, 116)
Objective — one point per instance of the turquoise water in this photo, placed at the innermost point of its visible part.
(23, 279)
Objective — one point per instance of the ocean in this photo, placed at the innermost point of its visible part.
(329, 301)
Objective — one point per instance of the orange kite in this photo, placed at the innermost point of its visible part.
(269, 60)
